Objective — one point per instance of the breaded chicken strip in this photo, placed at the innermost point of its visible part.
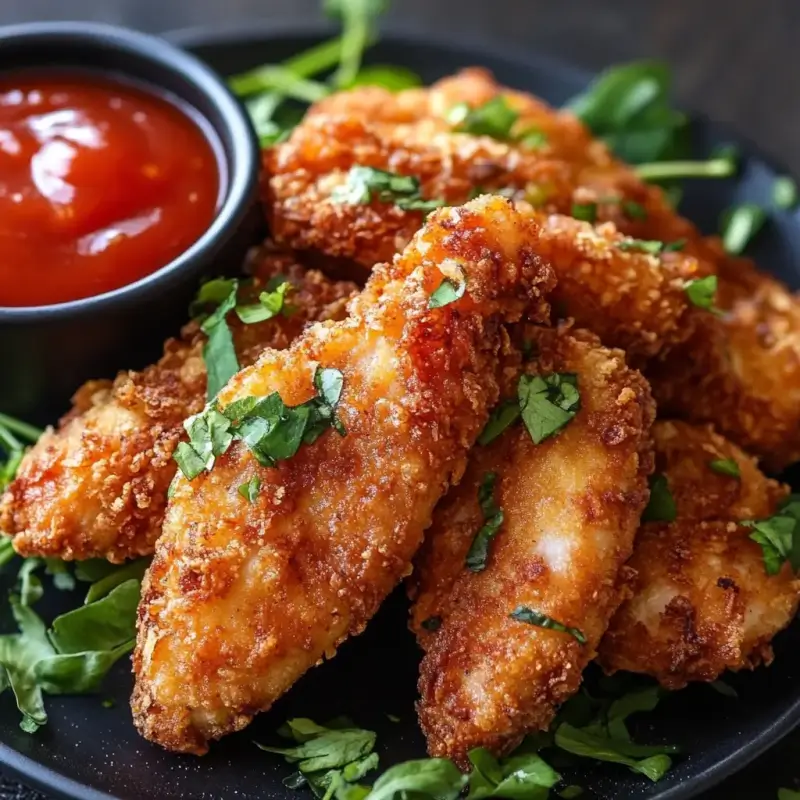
(242, 598)
(741, 371)
(96, 486)
(411, 133)
(702, 600)
(571, 507)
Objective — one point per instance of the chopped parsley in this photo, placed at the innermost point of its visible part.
(778, 536)
(740, 225)
(661, 506)
(365, 184)
(586, 212)
(784, 193)
(448, 291)
(652, 246)
(503, 416)
(494, 118)
(250, 489)
(492, 520)
(725, 466)
(547, 403)
(702, 292)
(270, 303)
(531, 617)
(271, 430)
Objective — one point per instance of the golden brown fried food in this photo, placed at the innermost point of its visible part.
(242, 599)
(702, 600)
(408, 133)
(741, 371)
(571, 507)
(96, 486)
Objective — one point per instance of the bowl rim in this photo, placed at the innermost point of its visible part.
(241, 165)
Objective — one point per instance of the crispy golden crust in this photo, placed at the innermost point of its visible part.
(571, 508)
(242, 599)
(741, 371)
(408, 133)
(702, 601)
(96, 486)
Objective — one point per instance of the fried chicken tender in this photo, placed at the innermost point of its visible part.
(96, 486)
(741, 371)
(571, 507)
(241, 598)
(702, 600)
(409, 133)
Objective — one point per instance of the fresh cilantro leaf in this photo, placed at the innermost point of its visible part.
(358, 20)
(270, 304)
(784, 192)
(329, 750)
(448, 291)
(250, 489)
(492, 520)
(210, 295)
(503, 416)
(778, 536)
(702, 292)
(526, 776)
(495, 118)
(548, 403)
(392, 77)
(189, 462)
(725, 466)
(432, 624)
(740, 225)
(661, 506)
(365, 184)
(531, 617)
(653, 762)
(587, 212)
(430, 777)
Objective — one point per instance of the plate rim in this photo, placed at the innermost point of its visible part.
(47, 779)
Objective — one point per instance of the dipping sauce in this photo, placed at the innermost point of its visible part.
(101, 183)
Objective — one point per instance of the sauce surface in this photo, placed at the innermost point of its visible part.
(101, 183)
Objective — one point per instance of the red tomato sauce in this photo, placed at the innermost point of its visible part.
(101, 184)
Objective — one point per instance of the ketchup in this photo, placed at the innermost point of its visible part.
(101, 183)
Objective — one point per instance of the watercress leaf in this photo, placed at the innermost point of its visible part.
(532, 617)
(503, 416)
(548, 403)
(102, 625)
(661, 505)
(438, 778)
(133, 570)
(78, 673)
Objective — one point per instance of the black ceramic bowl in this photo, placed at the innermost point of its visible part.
(50, 350)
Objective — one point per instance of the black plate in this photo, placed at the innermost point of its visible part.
(88, 751)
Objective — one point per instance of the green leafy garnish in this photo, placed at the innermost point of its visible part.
(15, 436)
(652, 246)
(448, 291)
(494, 118)
(788, 794)
(363, 184)
(634, 210)
(531, 617)
(673, 170)
(725, 466)
(702, 292)
(740, 225)
(358, 19)
(271, 430)
(570, 792)
(586, 212)
(429, 777)
(492, 520)
(628, 106)
(725, 689)
(503, 416)
(270, 303)
(661, 506)
(250, 489)
(778, 536)
(116, 576)
(526, 776)
(547, 403)
(784, 192)
(391, 77)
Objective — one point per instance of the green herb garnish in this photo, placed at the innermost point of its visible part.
(778, 536)
(492, 520)
(250, 489)
(270, 303)
(661, 506)
(702, 292)
(586, 212)
(15, 436)
(725, 466)
(365, 184)
(494, 118)
(448, 291)
(391, 77)
(503, 416)
(651, 246)
(740, 225)
(784, 192)
(525, 776)
(531, 617)
(358, 20)
(673, 170)
(725, 689)
(634, 210)
(547, 403)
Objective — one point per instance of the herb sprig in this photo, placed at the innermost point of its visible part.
(492, 521)
(779, 536)
(365, 184)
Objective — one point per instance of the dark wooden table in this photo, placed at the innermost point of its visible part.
(737, 60)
